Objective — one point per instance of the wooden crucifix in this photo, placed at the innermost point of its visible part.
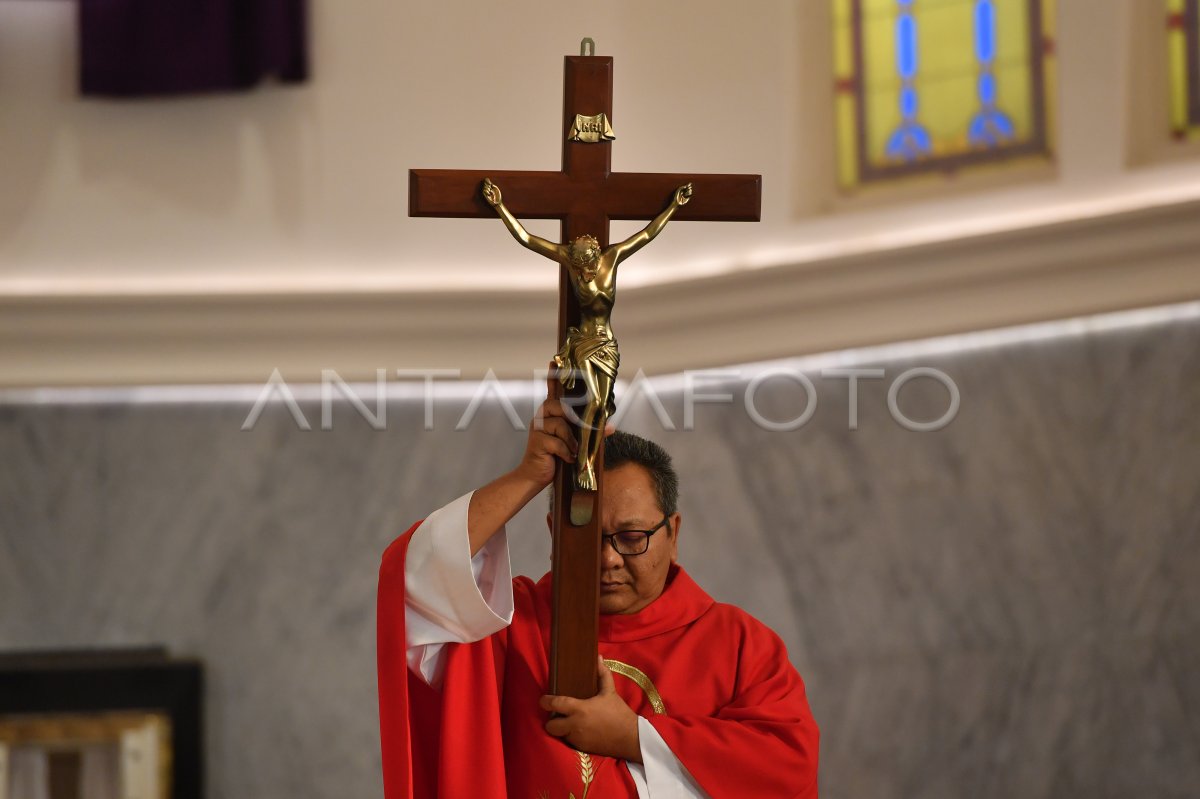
(585, 194)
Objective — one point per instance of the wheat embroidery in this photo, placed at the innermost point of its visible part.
(586, 771)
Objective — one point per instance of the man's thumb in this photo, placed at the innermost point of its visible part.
(605, 678)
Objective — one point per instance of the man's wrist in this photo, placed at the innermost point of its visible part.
(633, 747)
(528, 485)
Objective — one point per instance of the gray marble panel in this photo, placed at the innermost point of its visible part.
(1008, 606)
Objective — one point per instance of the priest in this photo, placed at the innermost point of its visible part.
(695, 698)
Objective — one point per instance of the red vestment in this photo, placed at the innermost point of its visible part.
(736, 715)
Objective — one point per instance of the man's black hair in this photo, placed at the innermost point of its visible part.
(621, 448)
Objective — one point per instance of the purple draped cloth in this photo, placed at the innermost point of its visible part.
(146, 47)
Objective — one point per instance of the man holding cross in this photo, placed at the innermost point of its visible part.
(694, 698)
(619, 676)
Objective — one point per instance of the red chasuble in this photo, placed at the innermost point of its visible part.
(715, 682)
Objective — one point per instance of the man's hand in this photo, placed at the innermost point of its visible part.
(602, 725)
(550, 436)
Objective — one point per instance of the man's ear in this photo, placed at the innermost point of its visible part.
(675, 523)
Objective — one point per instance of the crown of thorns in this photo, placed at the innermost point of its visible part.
(586, 240)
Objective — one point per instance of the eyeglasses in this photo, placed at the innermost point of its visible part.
(632, 542)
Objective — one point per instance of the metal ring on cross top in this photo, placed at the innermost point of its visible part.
(587, 46)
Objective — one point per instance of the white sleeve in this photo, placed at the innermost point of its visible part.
(660, 775)
(450, 597)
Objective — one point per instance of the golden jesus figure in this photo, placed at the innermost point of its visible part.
(590, 350)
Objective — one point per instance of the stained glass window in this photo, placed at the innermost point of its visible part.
(1183, 46)
(940, 85)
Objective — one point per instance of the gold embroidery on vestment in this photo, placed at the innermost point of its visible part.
(586, 772)
(643, 682)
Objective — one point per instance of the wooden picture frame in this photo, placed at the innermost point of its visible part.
(137, 710)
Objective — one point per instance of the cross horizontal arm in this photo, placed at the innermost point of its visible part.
(456, 193)
(555, 195)
(715, 198)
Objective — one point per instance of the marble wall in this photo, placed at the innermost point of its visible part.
(1007, 606)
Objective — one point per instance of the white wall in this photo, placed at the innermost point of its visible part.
(143, 241)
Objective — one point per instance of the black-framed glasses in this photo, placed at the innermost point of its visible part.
(632, 542)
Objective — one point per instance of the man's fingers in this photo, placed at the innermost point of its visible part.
(559, 428)
(549, 409)
(558, 447)
(563, 705)
(556, 440)
(551, 418)
(559, 727)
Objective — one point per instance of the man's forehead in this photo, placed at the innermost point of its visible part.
(635, 523)
(643, 512)
(629, 496)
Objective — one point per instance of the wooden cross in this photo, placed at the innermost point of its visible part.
(585, 194)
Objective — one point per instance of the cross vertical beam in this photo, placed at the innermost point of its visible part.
(584, 195)
(575, 552)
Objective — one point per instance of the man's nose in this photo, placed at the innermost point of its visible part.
(609, 557)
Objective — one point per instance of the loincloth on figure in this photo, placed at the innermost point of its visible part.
(598, 349)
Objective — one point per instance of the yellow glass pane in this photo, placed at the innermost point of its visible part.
(883, 117)
(879, 55)
(1014, 96)
(847, 119)
(1183, 33)
(947, 104)
(843, 41)
(1012, 32)
(946, 36)
(1193, 73)
(1177, 50)
(1049, 73)
(879, 8)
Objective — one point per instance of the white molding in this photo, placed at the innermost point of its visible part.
(1118, 261)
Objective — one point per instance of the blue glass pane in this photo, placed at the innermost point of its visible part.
(985, 30)
(906, 46)
(987, 89)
